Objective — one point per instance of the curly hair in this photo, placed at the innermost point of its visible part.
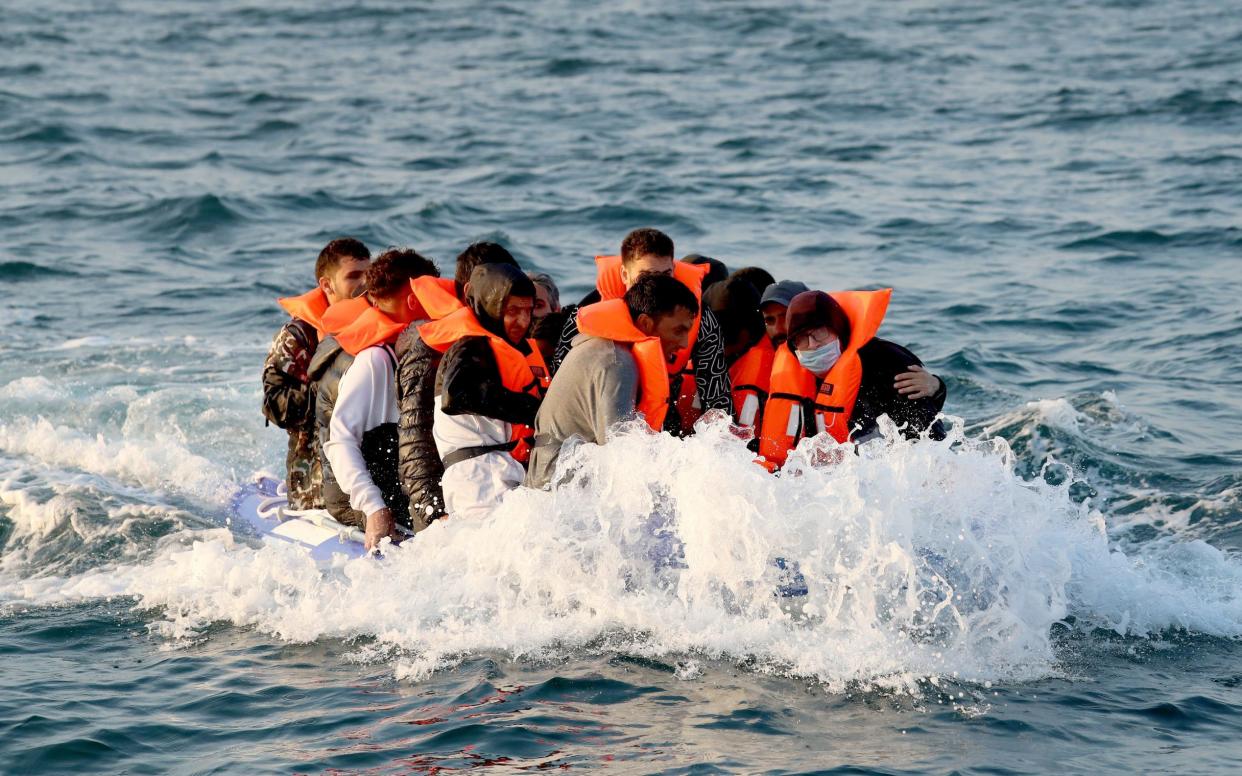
(395, 268)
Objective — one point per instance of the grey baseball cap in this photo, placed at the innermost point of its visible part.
(782, 292)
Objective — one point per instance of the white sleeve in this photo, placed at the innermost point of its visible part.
(360, 405)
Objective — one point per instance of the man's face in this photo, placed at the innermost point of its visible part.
(396, 306)
(660, 265)
(516, 317)
(347, 281)
(774, 321)
(543, 303)
(672, 329)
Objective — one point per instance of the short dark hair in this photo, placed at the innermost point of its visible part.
(645, 242)
(332, 254)
(476, 254)
(395, 268)
(758, 277)
(658, 295)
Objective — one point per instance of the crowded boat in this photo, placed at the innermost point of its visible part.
(409, 397)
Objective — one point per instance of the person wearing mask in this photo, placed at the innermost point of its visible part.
(617, 369)
(700, 373)
(487, 395)
(287, 399)
(419, 460)
(354, 374)
(833, 375)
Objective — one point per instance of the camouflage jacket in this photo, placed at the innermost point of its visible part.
(288, 401)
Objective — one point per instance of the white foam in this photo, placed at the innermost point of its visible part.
(159, 462)
(921, 560)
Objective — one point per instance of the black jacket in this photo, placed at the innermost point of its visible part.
(379, 445)
(469, 378)
(882, 361)
(418, 458)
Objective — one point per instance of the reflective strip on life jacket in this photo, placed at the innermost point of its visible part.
(751, 377)
(793, 389)
(357, 325)
(515, 371)
(608, 283)
(308, 307)
(611, 320)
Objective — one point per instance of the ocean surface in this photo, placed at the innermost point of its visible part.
(1052, 189)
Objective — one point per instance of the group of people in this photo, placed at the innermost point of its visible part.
(409, 397)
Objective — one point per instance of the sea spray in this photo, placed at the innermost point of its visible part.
(920, 559)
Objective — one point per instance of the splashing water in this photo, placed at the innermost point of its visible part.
(920, 559)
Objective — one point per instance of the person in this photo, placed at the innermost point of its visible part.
(616, 369)
(717, 271)
(547, 295)
(774, 304)
(758, 277)
(651, 251)
(834, 376)
(287, 399)
(487, 395)
(419, 460)
(748, 351)
(356, 400)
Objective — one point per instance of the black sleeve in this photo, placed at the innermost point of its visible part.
(418, 459)
(470, 384)
(567, 338)
(286, 389)
(882, 361)
(711, 370)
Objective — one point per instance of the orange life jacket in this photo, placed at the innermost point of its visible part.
(308, 307)
(793, 388)
(437, 297)
(538, 367)
(608, 283)
(611, 320)
(515, 371)
(357, 325)
(751, 376)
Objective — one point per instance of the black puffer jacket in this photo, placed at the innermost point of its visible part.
(418, 459)
(469, 378)
(378, 444)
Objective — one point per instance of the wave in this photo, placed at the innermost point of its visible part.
(921, 560)
(21, 271)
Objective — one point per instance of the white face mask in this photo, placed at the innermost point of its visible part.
(821, 359)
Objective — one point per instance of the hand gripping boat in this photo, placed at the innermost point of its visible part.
(263, 507)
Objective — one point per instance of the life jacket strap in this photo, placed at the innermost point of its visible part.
(759, 391)
(466, 453)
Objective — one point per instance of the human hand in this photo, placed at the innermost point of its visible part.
(917, 383)
(380, 525)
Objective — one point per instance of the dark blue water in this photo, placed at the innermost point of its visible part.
(1052, 190)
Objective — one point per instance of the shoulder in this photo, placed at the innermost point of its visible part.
(880, 355)
(377, 358)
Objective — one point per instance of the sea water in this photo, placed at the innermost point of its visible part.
(1052, 191)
